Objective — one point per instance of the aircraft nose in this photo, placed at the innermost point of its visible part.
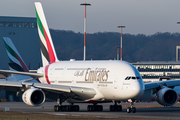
(137, 90)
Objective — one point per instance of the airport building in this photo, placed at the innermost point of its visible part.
(158, 71)
(24, 34)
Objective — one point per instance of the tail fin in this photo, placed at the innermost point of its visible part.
(16, 62)
(47, 48)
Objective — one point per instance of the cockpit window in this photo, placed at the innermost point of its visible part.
(131, 77)
(127, 78)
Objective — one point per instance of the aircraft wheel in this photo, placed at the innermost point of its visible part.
(133, 110)
(76, 107)
(101, 108)
(94, 108)
(63, 108)
(128, 110)
(98, 108)
(88, 108)
(119, 108)
(67, 108)
(112, 108)
(57, 108)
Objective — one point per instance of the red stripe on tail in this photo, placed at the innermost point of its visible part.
(49, 46)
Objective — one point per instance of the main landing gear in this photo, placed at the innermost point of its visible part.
(131, 108)
(66, 108)
(115, 107)
(95, 107)
(61, 107)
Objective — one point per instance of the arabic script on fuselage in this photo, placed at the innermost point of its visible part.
(93, 75)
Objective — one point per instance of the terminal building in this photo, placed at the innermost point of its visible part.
(158, 71)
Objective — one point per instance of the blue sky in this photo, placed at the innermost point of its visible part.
(139, 16)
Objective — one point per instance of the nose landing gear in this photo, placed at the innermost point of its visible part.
(131, 108)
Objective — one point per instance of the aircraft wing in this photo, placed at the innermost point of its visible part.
(22, 73)
(169, 83)
(50, 89)
(76, 92)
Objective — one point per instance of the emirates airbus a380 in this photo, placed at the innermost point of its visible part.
(81, 81)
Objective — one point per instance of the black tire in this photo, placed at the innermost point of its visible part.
(76, 107)
(88, 108)
(101, 108)
(71, 108)
(119, 108)
(67, 108)
(63, 108)
(55, 108)
(133, 110)
(92, 108)
(110, 108)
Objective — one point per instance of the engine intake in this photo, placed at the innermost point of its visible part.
(167, 97)
(34, 97)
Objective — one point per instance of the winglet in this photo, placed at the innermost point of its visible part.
(48, 52)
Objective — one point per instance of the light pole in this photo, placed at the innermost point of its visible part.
(121, 39)
(117, 52)
(85, 4)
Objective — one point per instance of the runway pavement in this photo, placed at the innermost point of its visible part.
(144, 110)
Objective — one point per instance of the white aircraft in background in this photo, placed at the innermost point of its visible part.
(83, 81)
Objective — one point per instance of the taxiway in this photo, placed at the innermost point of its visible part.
(144, 110)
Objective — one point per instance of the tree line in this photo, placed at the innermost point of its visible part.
(102, 46)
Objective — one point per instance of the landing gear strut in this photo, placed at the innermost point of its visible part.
(131, 108)
(58, 107)
(115, 107)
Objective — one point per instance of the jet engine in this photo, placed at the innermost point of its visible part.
(33, 97)
(167, 96)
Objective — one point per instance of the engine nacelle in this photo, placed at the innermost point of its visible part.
(33, 97)
(167, 97)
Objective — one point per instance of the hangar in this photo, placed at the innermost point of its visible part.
(23, 32)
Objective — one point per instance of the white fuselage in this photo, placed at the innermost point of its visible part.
(112, 80)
